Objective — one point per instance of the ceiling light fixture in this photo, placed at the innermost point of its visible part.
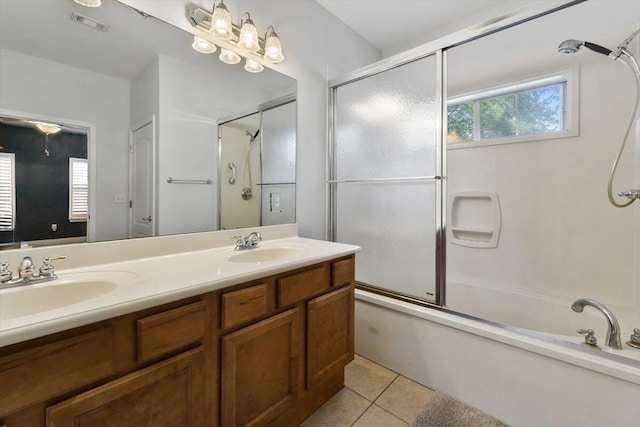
(47, 129)
(228, 56)
(89, 3)
(253, 66)
(244, 37)
(202, 45)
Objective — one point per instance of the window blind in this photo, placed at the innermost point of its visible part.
(7, 191)
(78, 189)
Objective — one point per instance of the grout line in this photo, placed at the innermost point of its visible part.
(392, 414)
(363, 412)
(376, 363)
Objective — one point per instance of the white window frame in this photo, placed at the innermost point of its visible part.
(10, 190)
(569, 101)
(75, 216)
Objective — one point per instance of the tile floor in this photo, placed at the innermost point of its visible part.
(373, 396)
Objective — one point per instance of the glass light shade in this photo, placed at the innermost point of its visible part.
(273, 49)
(203, 46)
(253, 66)
(248, 38)
(48, 128)
(221, 22)
(228, 56)
(89, 3)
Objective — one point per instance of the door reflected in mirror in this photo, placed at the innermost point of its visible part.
(152, 106)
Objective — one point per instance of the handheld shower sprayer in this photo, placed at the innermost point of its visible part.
(572, 46)
(625, 57)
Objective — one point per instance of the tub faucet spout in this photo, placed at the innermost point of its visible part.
(613, 331)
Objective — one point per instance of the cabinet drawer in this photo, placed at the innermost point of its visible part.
(244, 305)
(300, 286)
(343, 272)
(171, 330)
(43, 372)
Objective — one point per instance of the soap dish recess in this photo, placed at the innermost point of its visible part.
(475, 219)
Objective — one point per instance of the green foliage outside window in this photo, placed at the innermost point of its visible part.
(531, 112)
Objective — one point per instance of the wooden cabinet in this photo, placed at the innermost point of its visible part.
(329, 334)
(169, 393)
(259, 370)
(266, 352)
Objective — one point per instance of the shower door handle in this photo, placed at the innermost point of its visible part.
(232, 166)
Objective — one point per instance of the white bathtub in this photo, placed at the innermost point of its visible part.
(552, 317)
(523, 378)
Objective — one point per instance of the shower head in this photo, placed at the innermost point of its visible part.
(252, 136)
(572, 46)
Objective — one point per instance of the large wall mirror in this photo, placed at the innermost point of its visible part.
(111, 127)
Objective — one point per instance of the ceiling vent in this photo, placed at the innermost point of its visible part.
(89, 22)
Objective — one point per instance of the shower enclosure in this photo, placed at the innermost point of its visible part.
(257, 153)
(385, 178)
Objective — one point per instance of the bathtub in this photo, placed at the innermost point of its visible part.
(521, 376)
(538, 316)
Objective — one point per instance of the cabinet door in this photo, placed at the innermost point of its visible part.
(329, 334)
(259, 370)
(169, 393)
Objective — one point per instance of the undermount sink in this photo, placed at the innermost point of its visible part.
(67, 290)
(265, 254)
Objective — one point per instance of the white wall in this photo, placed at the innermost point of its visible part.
(313, 41)
(560, 237)
(45, 88)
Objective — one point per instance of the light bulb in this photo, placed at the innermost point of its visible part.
(89, 3)
(48, 128)
(203, 46)
(228, 56)
(248, 38)
(221, 22)
(253, 66)
(272, 47)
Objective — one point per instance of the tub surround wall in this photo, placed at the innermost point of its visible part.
(555, 245)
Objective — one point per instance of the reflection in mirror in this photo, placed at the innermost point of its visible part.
(150, 105)
(257, 155)
(532, 136)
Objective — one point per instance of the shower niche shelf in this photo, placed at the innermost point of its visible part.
(475, 219)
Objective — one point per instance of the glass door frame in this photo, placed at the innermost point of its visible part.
(439, 48)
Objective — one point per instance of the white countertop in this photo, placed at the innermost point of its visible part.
(148, 282)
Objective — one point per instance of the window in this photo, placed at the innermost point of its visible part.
(517, 112)
(7, 191)
(78, 189)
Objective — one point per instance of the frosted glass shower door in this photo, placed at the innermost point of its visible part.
(278, 152)
(385, 187)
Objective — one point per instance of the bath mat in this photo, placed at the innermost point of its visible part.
(445, 411)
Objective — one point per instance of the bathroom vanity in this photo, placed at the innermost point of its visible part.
(268, 350)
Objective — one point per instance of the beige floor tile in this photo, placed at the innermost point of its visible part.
(343, 409)
(404, 398)
(366, 378)
(378, 417)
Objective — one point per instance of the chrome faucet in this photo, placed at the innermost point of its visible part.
(613, 331)
(250, 242)
(26, 272)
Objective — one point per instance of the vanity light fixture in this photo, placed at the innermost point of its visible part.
(221, 26)
(89, 3)
(202, 45)
(248, 38)
(245, 37)
(253, 66)
(272, 46)
(228, 56)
